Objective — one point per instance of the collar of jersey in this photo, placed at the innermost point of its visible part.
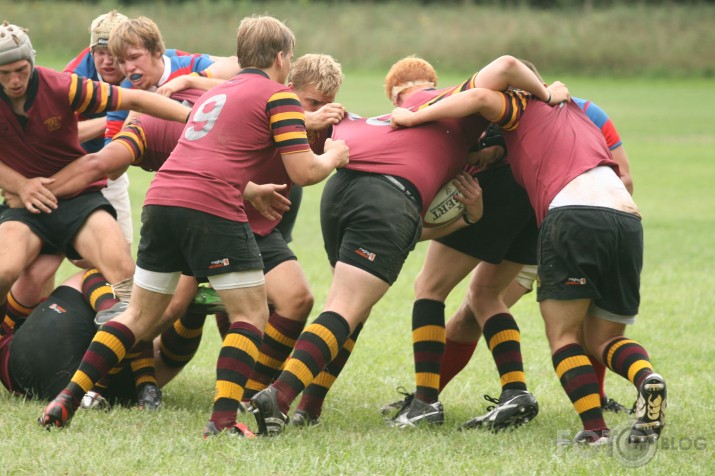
(254, 71)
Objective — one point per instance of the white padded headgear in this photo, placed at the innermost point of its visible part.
(15, 45)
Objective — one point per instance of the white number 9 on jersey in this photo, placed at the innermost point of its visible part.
(205, 116)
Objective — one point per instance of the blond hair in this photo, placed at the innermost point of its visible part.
(139, 32)
(408, 72)
(320, 71)
(259, 39)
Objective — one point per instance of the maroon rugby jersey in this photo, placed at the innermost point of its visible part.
(49, 141)
(149, 139)
(236, 132)
(550, 146)
(427, 156)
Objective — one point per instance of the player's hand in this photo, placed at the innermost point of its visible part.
(35, 196)
(328, 115)
(401, 117)
(175, 85)
(470, 195)
(268, 200)
(340, 149)
(559, 93)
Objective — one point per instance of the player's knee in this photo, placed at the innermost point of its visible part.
(8, 276)
(297, 304)
(428, 288)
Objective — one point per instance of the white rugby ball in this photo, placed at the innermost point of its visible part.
(444, 208)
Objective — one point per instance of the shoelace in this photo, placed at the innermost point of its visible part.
(495, 401)
(408, 398)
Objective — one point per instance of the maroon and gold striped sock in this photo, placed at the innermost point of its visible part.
(600, 370)
(317, 346)
(97, 291)
(141, 360)
(3, 311)
(222, 323)
(580, 384)
(313, 396)
(235, 363)
(180, 342)
(456, 357)
(628, 359)
(14, 315)
(428, 340)
(108, 348)
(278, 341)
(503, 338)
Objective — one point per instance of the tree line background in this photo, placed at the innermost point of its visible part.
(574, 37)
(587, 4)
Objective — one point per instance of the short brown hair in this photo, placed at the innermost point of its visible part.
(139, 32)
(533, 69)
(320, 71)
(259, 39)
(408, 72)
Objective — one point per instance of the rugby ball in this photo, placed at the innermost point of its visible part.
(444, 208)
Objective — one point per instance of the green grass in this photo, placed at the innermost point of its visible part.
(666, 127)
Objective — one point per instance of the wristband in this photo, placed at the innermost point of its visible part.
(549, 99)
(467, 220)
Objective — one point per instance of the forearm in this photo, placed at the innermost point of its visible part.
(155, 105)
(10, 179)
(224, 68)
(319, 169)
(624, 167)
(508, 72)
(453, 107)
(91, 128)
(433, 233)
(75, 177)
(200, 82)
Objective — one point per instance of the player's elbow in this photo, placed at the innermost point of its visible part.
(98, 168)
(507, 62)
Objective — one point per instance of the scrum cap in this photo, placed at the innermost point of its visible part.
(101, 26)
(15, 45)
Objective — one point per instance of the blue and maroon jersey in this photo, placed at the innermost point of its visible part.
(173, 67)
(549, 146)
(237, 132)
(83, 65)
(599, 117)
(47, 140)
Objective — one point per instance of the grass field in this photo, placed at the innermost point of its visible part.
(667, 130)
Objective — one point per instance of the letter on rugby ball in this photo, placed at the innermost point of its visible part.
(444, 208)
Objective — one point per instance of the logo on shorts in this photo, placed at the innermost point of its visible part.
(365, 254)
(219, 263)
(58, 309)
(575, 282)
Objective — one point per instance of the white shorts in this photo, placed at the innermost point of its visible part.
(117, 192)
